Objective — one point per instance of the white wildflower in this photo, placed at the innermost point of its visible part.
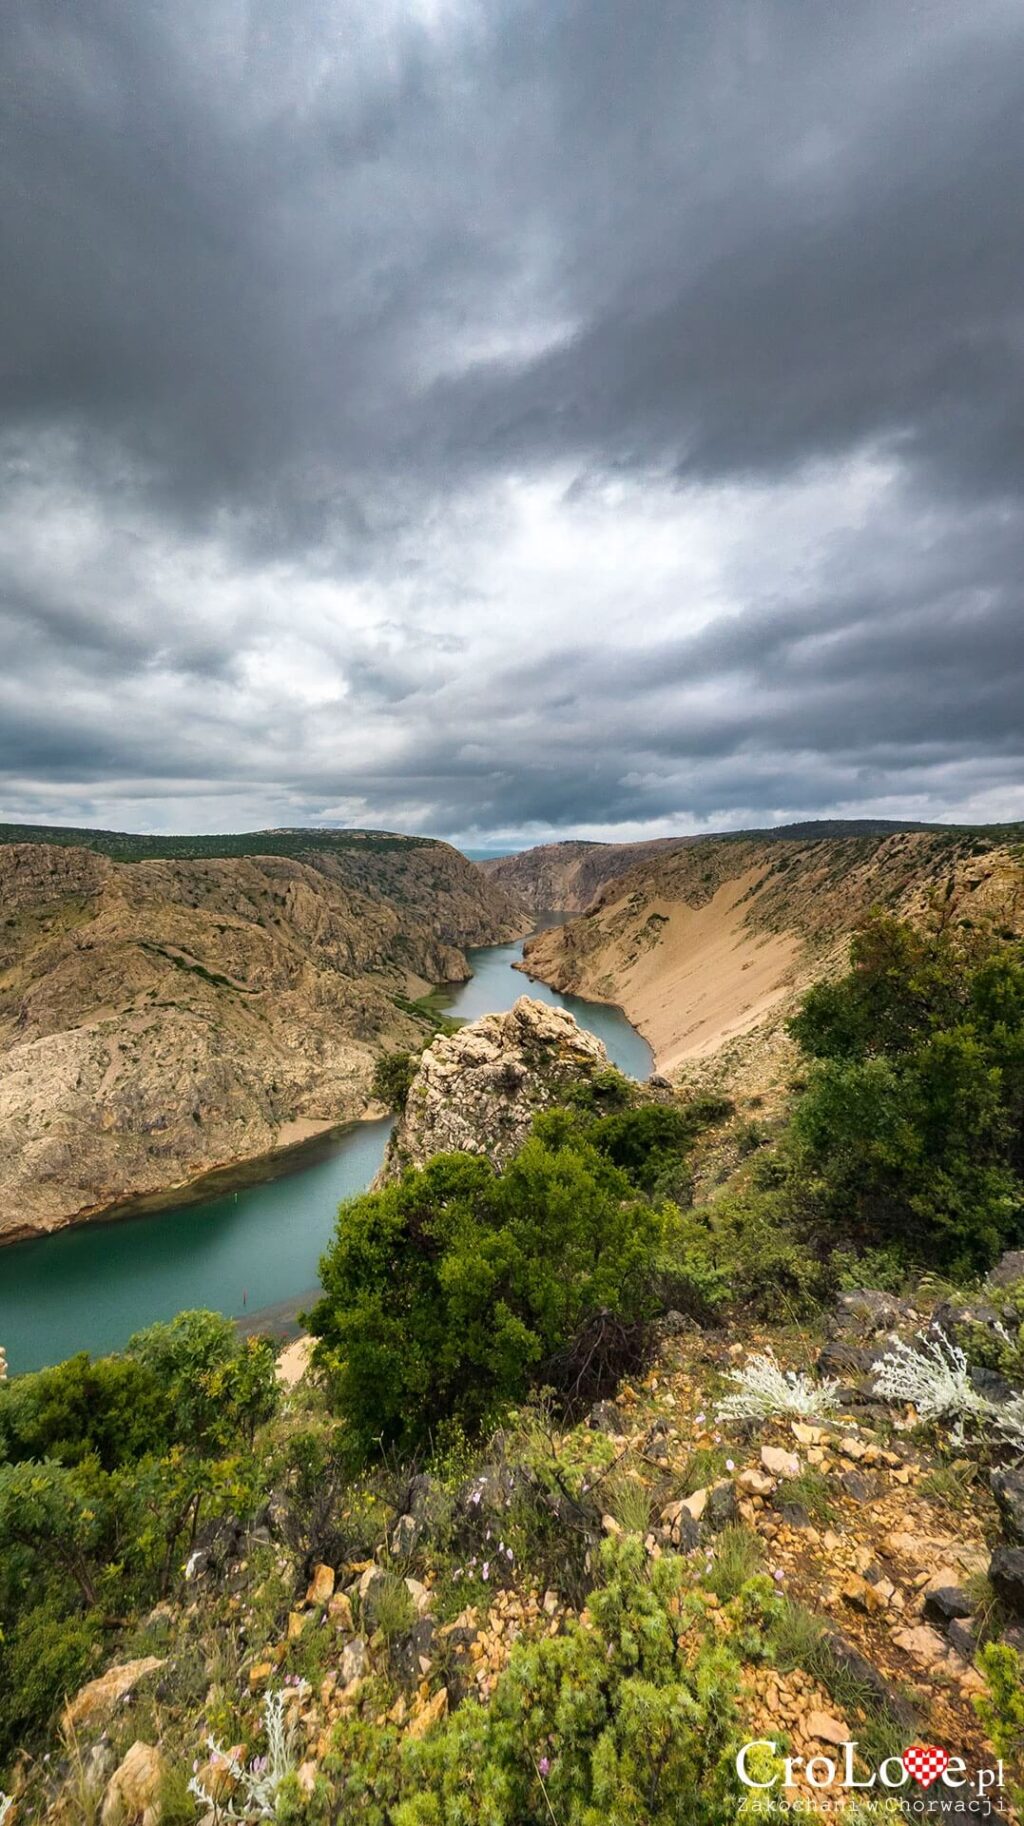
(764, 1390)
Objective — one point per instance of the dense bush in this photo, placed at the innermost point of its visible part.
(912, 1123)
(448, 1292)
(392, 1076)
(105, 1470)
(628, 1719)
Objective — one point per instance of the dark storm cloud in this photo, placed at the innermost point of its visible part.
(370, 374)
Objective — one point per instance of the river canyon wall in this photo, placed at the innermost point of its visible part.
(164, 1016)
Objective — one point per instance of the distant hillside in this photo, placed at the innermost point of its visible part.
(125, 846)
(168, 1015)
(566, 876)
(708, 944)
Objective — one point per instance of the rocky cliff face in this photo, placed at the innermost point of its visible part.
(161, 1017)
(477, 1091)
(564, 877)
(707, 946)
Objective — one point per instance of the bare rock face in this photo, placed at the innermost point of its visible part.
(477, 1091)
(166, 1016)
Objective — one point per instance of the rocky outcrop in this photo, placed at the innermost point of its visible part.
(163, 1017)
(477, 1091)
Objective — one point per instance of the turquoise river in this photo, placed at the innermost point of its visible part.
(248, 1251)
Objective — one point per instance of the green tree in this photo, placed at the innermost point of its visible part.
(217, 1386)
(44, 1507)
(392, 1076)
(447, 1292)
(912, 1123)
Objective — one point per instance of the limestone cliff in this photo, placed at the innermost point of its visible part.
(708, 946)
(478, 1090)
(164, 1016)
(566, 877)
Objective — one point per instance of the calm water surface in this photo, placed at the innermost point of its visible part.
(240, 1252)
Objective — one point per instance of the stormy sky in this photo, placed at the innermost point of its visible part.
(511, 418)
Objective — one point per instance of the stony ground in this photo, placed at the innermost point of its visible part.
(881, 1531)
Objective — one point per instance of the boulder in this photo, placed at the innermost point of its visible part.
(866, 1312)
(946, 1603)
(1006, 1571)
(605, 1417)
(961, 1639)
(133, 1792)
(355, 1661)
(780, 1463)
(826, 1729)
(340, 1611)
(721, 1507)
(422, 1599)
(404, 1537)
(1008, 1269)
(1008, 1489)
(100, 1696)
(321, 1585)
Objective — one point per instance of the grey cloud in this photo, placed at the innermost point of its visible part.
(299, 301)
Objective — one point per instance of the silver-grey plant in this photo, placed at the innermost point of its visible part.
(256, 1783)
(1009, 1421)
(934, 1376)
(763, 1390)
(6, 1803)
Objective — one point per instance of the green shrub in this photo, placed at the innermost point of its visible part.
(1001, 1709)
(1003, 1350)
(614, 1722)
(911, 1128)
(392, 1076)
(745, 1249)
(448, 1292)
(48, 1655)
(217, 1386)
(112, 1409)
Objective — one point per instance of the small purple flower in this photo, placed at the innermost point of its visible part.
(778, 1575)
(485, 1570)
(730, 1464)
(699, 1419)
(545, 1765)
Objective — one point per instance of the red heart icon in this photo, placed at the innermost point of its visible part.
(925, 1762)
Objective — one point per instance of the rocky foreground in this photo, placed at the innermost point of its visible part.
(889, 1558)
(165, 1016)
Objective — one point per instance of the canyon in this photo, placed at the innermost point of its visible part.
(708, 944)
(163, 1016)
